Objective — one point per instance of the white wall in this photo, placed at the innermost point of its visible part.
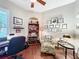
(68, 13)
(77, 19)
(18, 12)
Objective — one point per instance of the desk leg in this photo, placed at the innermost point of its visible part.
(65, 53)
(74, 54)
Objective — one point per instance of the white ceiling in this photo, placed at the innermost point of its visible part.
(50, 4)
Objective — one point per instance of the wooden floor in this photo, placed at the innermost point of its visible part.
(33, 52)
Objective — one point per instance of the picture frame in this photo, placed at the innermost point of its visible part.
(57, 25)
(51, 26)
(56, 19)
(53, 20)
(61, 20)
(17, 21)
(64, 26)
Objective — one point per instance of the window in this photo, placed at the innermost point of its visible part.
(3, 23)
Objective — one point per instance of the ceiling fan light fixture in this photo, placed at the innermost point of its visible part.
(40, 1)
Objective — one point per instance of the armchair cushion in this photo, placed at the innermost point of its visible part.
(48, 48)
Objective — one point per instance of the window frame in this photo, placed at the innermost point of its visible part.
(8, 17)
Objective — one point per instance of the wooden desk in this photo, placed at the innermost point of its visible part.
(4, 43)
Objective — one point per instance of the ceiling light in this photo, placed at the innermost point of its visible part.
(33, 0)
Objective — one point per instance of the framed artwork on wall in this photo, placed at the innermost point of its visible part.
(56, 19)
(51, 26)
(61, 20)
(53, 20)
(17, 21)
(64, 26)
(57, 25)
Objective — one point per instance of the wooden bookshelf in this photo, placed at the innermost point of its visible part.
(33, 32)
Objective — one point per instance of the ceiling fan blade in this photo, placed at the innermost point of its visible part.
(32, 5)
(42, 2)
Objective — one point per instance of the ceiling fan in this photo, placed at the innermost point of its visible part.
(40, 1)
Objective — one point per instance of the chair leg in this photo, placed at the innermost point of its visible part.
(65, 53)
(74, 54)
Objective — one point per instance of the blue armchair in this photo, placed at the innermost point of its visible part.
(16, 45)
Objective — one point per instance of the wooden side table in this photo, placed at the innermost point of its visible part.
(67, 46)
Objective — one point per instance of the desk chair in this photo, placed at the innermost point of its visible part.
(16, 45)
